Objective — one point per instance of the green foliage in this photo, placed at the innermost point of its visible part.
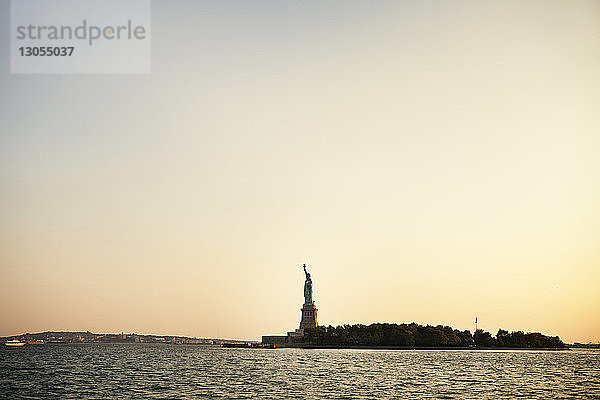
(411, 335)
(484, 339)
(532, 340)
(414, 335)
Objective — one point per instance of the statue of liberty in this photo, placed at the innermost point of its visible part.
(308, 300)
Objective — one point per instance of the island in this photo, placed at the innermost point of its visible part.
(401, 336)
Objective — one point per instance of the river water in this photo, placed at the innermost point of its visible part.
(147, 371)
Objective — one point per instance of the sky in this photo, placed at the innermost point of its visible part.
(428, 161)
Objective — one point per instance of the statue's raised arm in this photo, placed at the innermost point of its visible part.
(306, 272)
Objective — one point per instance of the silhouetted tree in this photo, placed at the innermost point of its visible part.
(483, 339)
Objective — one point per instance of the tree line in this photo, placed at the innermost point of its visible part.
(517, 339)
(414, 335)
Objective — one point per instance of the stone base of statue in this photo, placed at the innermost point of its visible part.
(309, 316)
(296, 336)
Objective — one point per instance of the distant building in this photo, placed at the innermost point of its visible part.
(275, 339)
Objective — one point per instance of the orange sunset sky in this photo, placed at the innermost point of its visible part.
(428, 161)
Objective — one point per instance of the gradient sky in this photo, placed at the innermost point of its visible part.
(429, 161)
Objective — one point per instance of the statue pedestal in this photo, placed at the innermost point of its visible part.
(309, 316)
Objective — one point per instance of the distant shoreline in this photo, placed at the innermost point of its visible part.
(74, 337)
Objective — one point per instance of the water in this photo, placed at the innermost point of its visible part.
(146, 371)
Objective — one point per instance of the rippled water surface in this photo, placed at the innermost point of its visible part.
(113, 371)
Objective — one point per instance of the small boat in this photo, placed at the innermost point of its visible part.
(35, 341)
(14, 343)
